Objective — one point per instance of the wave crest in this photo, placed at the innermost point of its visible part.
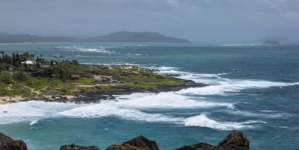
(203, 121)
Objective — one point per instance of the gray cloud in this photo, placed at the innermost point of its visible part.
(196, 20)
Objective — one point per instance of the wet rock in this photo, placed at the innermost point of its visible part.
(138, 143)
(143, 143)
(112, 97)
(76, 147)
(236, 140)
(7, 143)
(200, 146)
(122, 147)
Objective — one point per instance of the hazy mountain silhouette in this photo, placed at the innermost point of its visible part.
(123, 36)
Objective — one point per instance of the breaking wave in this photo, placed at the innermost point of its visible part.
(203, 121)
(84, 49)
(233, 87)
(165, 100)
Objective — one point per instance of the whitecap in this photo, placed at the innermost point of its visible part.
(165, 100)
(84, 49)
(203, 121)
(233, 87)
(109, 110)
(231, 106)
(32, 110)
(33, 122)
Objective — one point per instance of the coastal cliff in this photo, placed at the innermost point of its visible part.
(235, 140)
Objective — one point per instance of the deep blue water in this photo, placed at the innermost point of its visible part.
(253, 88)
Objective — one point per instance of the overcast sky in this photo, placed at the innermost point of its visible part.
(195, 20)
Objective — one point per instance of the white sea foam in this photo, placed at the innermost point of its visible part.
(33, 122)
(242, 44)
(232, 87)
(133, 54)
(32, 110)
(84, 49)
(231, 106)
(267, 111)
(165, 100)
(109, 110)
(203, 121)
(259, 115)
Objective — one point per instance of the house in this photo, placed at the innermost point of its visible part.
(42, 73)
(92, 68)
(135, 73)
(75, 77)
(105, 67)
(29, 62)
(45, 66)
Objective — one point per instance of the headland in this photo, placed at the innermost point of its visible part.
(27, 77)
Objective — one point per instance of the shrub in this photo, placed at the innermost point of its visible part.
(6, 79)
(20, 76)
(22, 89)
(3, 91)
(29, 83)
(160, 77)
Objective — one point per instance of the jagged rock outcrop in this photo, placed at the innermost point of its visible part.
(236, 140)
(7, 143)
(138, 143)
(122, 147)
(76, 147)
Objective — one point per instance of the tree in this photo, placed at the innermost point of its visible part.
(2, 52)
(61, 73)
(6, 79)
(20, 76)
(18, 59)
(13, 59)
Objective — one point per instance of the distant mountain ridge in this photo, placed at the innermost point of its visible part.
(123, 36)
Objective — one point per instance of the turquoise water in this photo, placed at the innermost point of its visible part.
(253, 88)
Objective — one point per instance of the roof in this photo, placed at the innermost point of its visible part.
(28, 62)
(45, 66)
(75, 76)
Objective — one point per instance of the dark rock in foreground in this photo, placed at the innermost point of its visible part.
(139, 143)
(7, 143)
(76, 147)
(234, 141)
(122, 147)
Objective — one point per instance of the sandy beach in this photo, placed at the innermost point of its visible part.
(8, 99)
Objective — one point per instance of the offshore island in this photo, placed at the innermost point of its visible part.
(27, 77)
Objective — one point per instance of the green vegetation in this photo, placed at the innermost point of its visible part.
(27, 76)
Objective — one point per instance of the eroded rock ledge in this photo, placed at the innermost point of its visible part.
(236, 140)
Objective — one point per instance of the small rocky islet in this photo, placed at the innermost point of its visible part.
(235, 140)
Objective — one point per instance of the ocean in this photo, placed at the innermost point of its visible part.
(253, 88)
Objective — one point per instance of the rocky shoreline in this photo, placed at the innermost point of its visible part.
(235, 140)
(96, 97)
